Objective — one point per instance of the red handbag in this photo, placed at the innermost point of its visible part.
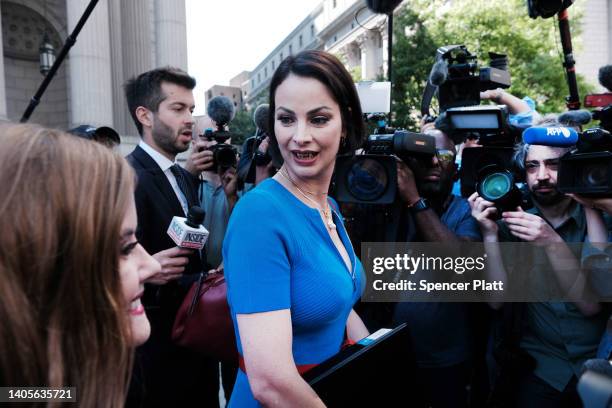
(203, 322)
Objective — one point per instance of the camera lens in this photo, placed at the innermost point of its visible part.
(495, 186)
(367, 180)
(594, 175)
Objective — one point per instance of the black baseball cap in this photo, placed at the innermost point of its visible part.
(103, 134)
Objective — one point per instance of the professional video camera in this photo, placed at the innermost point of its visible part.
(459, 80)
(603, 100)
(546, 8)
(371, 176)
(221, 110)
(587, 170)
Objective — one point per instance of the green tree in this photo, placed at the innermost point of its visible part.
(501, 26)
(413, 50)
(242, 127)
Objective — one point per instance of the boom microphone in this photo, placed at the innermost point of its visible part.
(189, 232)
(260, 118)
(221, 110)
(439, 72)
(550, 136)
(605, 77)
(575, 117)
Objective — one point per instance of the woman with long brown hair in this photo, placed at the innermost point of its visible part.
(71, 270)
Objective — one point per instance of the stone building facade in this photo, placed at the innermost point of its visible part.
(119, 40)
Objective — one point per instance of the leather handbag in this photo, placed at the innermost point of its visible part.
(203, 322)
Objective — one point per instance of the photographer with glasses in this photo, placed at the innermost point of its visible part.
(440, 331)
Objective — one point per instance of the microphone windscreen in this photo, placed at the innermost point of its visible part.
(220, 109)
(575, 117)
(605, 77)
(439, 72)
(550, 136)
(260, 117)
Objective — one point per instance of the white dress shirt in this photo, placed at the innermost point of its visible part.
(164, 163)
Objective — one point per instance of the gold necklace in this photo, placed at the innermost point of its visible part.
(326, 211)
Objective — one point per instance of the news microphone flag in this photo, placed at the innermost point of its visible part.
(550, 136)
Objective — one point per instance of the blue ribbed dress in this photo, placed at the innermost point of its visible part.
(278, 255)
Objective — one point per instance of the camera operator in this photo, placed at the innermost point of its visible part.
(218, 195)
(218, 191)
(424, 186)
(553, 337)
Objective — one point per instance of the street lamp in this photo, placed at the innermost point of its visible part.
(46, 54)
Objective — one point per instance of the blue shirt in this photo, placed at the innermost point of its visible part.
(557, 335)
(279, 255)
(440, 331)
(214, 203)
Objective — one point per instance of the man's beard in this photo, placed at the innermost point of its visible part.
(435, 190)
(547, 199)
(165, 139)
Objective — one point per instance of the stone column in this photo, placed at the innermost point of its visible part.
(136, 45)
(384, 35)
(116, 39)
(91, 96)
(353, 55)
(370, 55)
(171, 33)
(3, 115)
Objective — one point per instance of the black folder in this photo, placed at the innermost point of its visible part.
(378, 371)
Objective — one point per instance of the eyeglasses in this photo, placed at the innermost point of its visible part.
(445, 156)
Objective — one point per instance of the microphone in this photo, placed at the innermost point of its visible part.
(439, 72)
(189, 232)
(605, 77)
(575, 117)
(260, 118)
(221, 110)
(550, 136)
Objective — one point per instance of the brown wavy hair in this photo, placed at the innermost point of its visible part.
(63, 314)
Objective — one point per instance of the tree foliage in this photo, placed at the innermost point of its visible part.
(502, 26)
(242, 127)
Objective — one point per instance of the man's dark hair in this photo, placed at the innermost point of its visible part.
(145, 90)
(328, 70)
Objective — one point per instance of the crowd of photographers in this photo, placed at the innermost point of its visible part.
(540, 347)
(465, 177)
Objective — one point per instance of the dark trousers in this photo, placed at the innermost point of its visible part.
(533, 392)
(166, 375)
(445, 387)
(229, 371)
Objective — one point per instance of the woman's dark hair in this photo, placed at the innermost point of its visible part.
(328, 70)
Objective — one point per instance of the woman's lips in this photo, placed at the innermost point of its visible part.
(136, 307)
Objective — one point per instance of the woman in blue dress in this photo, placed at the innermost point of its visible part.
(291, 271)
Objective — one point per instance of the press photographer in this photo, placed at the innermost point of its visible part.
(256, 160)
(213, 159)
(539, 359)
(445, 362)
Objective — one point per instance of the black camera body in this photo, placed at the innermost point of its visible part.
(465, 80)
(587, 170)
(546, 8)
(371, 177)
(224, 155)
